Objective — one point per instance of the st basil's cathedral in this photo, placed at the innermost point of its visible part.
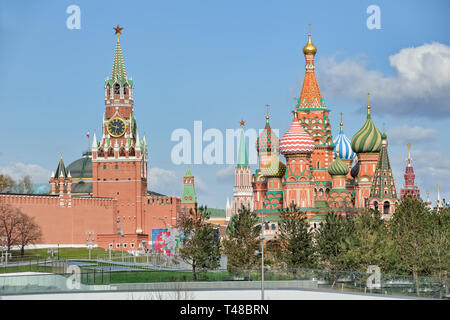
(320, 174)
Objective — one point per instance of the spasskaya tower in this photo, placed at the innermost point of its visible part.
(119, 157)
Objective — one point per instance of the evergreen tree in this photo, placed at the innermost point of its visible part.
(296, 249)
(410, 233)
(438, 243)
(330, 239)
(368, 244)
(200, 245)
(241, 242)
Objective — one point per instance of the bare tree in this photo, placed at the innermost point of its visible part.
(27, 232)
(5, 182)
(9, 221)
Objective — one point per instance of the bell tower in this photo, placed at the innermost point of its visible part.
(119, 158)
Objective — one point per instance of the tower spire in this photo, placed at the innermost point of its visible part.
(410, 188)
(409, 156)
(118, 71)
(242, 155)
(368, 103)
(310, 96)
(341, 125)
(438, 200)
(267, 113)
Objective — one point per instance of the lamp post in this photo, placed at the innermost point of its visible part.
(120, 229)
(4, 249)
(90, 241)
(262, 256)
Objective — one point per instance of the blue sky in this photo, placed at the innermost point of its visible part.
(220, 62)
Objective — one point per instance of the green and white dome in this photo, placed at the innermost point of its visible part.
(368, 138)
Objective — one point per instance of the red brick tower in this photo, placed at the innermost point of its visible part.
(242, 191)
(188, 196)
(312, 114)
(410, 189)
(119, 159)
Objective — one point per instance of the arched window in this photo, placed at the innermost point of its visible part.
(116, 88)
(320, 192)
(125, 89)
(386, 207)
(318, 164)
(375, 205)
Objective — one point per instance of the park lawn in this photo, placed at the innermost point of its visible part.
(65, 253)
(26, 268)
(151, 276)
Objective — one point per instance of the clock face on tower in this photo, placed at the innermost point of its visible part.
(116, 127)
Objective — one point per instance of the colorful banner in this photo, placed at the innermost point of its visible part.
(166, 241)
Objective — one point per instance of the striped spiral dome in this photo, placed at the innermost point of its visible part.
(296, 140)
(267, 140)
(338, 167)
(344, 147)
(368, 138)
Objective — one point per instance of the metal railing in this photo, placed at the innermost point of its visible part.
(134, 273)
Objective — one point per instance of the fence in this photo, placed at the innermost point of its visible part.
(134, 273)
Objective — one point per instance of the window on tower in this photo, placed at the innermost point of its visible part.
(116, 88)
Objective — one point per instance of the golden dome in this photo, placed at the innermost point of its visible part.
(309, 49)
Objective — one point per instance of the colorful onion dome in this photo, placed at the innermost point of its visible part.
(338, 167)
(274, 168)
(355, 170)
(267, 140)
(368, 138)
(296, 140)
(343, 145)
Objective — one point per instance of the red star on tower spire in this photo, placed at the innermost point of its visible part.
(118, 29)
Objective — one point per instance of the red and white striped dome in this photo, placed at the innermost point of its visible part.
(296, 140)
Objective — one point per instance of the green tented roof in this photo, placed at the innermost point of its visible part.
(242, 155)
(188, 195)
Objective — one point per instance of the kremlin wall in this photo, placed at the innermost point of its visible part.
(106, 190)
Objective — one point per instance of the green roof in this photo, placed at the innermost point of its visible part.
(242, 155)
(213, 212)
(188, 195)
(188, 172)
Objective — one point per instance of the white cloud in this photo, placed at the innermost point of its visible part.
(225, 174)
(421, 85)
(170, 183)
(405, 134)
(19, 170)
(165, 181)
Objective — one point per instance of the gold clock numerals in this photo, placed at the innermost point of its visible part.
(116, 127)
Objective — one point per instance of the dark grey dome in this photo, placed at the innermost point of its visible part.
(81, 168)
(81, 173)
